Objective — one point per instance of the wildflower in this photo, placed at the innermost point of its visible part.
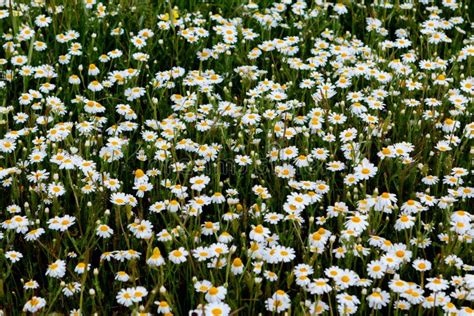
(34, 304)
(156, 258)
(378, 299)
(237, 266)
(178, 256)
(13, 256)
(56, 269)
(217, 308)
(421, 265)
(56, 189)
(436, 284)
(104, 231)
(81, 267)
(404, 222)
(34, 234)
(357, 222)
(199, 183)
(122, 276)
(125, 297)
(61, 223)
(163, 307)
(259, 233)
(376, 269)
(216, 294)
(365, 170)
(279, 302)
(319, 286)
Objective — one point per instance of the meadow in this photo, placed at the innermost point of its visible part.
(190, 157)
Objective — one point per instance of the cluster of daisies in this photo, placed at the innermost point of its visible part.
(298, 157)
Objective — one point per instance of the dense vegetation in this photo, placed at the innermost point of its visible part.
(235, 157)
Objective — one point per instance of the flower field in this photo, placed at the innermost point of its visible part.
(190, 157)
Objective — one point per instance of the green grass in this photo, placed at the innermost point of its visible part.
(328, 47)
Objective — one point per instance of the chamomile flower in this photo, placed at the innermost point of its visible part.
(56, 269)
(35, 304)
(178, 256)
